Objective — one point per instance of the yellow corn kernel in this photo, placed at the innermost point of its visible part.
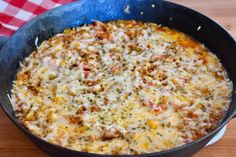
(66, 31)
(167, 143)
(105, 147)
(52, 76)
(152, 124)
(76, 45)
(189, 52)
(42, 70)
(145, 145)
(83, 129)
(38, 100)
(183, 99)
(58, 99)
(136, 136)
(30, 116)
(72, 92)
(52, 116)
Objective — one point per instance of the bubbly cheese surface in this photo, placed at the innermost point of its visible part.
(122, 87)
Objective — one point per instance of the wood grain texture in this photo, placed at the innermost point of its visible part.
(14, 144)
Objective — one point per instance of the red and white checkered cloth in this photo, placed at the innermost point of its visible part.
(14, 13)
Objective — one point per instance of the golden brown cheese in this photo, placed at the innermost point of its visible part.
(122, 87)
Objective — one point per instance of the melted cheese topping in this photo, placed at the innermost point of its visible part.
(122, 87)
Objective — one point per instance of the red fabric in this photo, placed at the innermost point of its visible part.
(14, 13)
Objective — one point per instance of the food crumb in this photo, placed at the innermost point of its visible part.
(126, 10)
(36, 42)
(199, 27)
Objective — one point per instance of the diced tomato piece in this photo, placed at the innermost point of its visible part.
(192, 115)
(86, 73)
(148, 104)
(86, 68)
(158, 109)
(150, 84)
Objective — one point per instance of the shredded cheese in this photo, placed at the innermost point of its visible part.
(122, 87)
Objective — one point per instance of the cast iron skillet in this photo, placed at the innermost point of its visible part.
(75, 14)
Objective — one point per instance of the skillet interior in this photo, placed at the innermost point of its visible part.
(22, 43)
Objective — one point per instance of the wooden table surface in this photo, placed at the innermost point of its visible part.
(14, 144)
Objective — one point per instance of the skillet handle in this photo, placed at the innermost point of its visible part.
(3, 40)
